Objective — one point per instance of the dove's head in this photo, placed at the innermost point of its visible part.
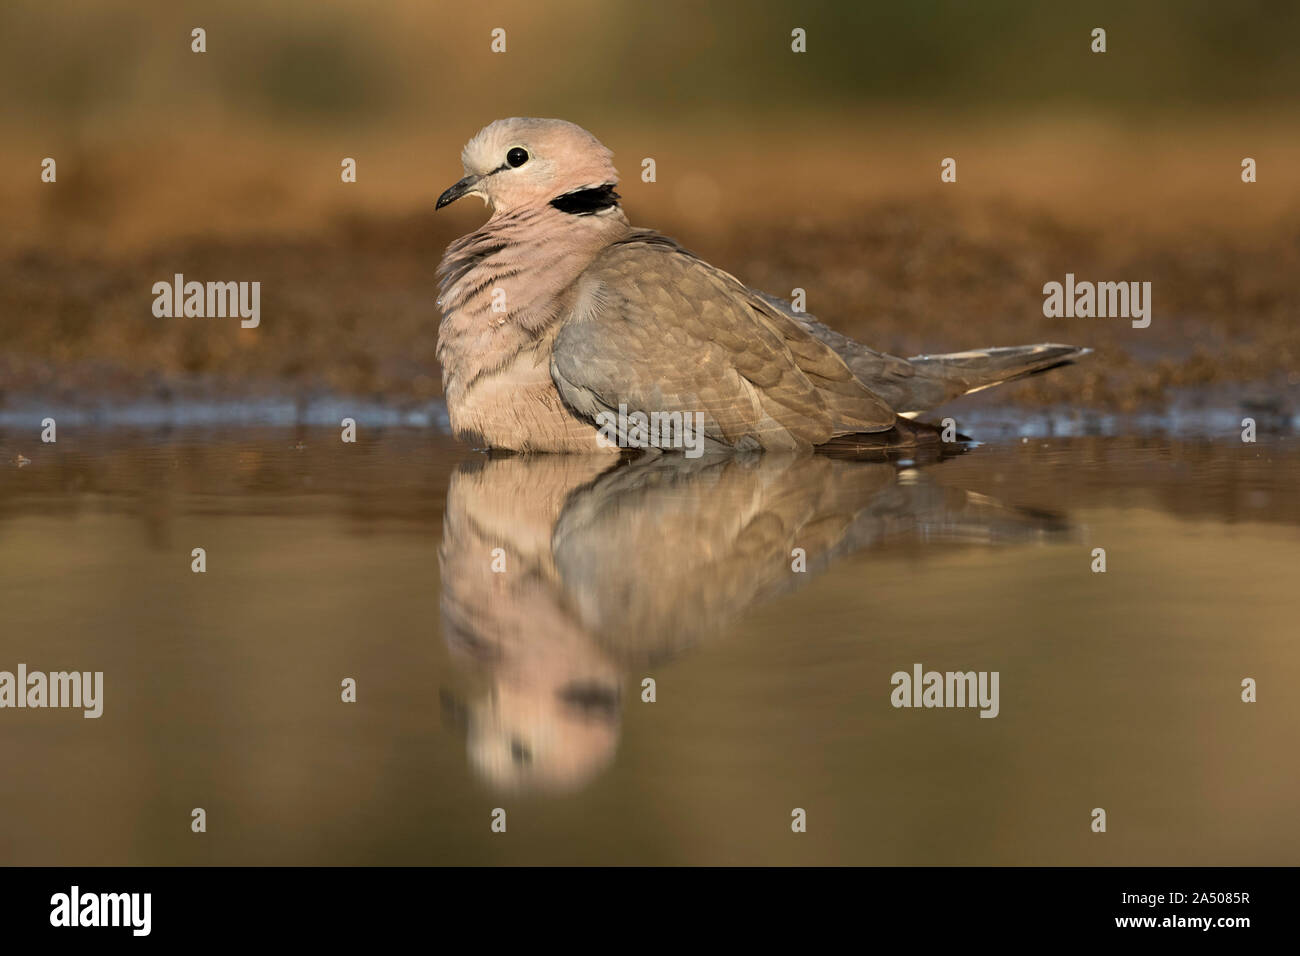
(516, 163)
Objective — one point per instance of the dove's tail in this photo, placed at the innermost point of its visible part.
(941, 378)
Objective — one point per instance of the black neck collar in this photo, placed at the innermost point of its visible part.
(587, 202)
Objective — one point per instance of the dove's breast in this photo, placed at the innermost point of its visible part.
(505, 291)
(519, 408)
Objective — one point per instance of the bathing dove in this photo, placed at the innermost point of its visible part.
(561, 322)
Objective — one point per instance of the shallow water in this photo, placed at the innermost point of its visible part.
(522, 689)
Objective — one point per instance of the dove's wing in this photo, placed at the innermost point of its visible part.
(655, 329)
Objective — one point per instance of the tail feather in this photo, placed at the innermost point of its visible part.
(985, 367)
(960, 373)
(911, 386)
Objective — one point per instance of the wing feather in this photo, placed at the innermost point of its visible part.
(656, 329)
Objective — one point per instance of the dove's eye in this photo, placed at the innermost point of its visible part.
(517, 157)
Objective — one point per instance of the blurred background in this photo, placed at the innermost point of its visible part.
(817, 170)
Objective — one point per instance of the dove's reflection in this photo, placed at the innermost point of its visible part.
(560, 575)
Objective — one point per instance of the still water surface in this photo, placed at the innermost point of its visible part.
(523, 689)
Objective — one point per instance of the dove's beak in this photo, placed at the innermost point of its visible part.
(463, 187)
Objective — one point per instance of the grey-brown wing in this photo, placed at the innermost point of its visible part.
(653, 328)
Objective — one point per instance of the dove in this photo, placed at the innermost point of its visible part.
(559, 317)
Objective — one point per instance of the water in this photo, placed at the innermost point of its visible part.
(522, 690)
